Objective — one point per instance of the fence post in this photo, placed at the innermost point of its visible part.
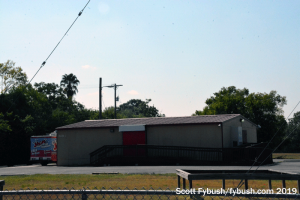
(2, 183)
(83, 196)
(246, 184)
(283, 184)
(190, 184)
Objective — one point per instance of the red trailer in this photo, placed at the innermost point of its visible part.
(44, 149)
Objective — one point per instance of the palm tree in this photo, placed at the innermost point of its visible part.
(69, 84)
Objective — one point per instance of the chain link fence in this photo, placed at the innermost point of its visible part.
(151, 194)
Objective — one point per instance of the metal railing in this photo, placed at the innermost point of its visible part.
(158, 155)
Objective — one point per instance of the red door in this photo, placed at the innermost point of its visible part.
(134, 138)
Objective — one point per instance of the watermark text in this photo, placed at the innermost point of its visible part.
(234, 191)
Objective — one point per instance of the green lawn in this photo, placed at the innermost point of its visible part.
(286, 155)
(115, 181)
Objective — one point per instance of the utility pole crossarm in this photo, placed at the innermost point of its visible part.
(115, 87)
(111, 86)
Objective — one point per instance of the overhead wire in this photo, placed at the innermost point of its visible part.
(42, 65)
(87, 88)
(255, 161)
(272, 153)
(277, 147)
(79, 14)
(103, 102)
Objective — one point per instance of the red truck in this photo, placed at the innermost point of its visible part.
(44, 149)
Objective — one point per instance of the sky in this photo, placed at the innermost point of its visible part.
(177, 53)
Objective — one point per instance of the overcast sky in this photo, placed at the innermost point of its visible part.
(178, 53)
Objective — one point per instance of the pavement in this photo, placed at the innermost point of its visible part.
(284, 165)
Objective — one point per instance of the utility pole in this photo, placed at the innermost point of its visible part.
(115, 87)
(115, 101)
(100, 98)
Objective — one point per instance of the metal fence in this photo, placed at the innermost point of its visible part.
(151, 194)
(171, 155)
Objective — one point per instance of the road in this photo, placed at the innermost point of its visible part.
(280, 165)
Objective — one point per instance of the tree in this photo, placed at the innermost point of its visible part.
(11, 76)
(4, 126)
(69, 83)
(138, 108)
(28, 115)
(292, 145)
(109, 113)
(261, 108)
(227, 101)
(134, 108)
(53, 92)
(34, 111)
(64, 110)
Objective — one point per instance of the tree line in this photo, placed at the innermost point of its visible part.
(264, 109)
(27, 110)
(39, 108)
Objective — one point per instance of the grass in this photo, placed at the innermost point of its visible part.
(286, 155)
(115, 181)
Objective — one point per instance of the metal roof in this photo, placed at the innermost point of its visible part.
(153, 121)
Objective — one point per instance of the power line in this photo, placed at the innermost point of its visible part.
(274, 136)
(242, 181)
(103, 102)
(87, 88)
(79, 14)
(271, 153)
(277, 147)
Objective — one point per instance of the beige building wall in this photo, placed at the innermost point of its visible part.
(75, 146)
(185, 135)
(246, 125)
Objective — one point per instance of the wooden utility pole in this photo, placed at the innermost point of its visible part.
(100, 98)
(115, 87)
(115, 101)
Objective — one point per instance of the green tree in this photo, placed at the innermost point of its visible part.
(53, 92)
(4, 126)
(29, 111)
(109, 113)
(134, 108)
(64, 110)
(11, 76)
(69, 82)
(264, 109)
(34, 111)
(138, 108)
(292, 145)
